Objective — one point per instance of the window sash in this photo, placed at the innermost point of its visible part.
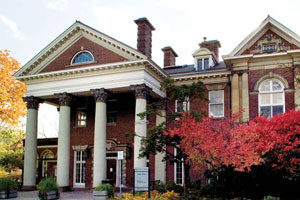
(270, 99)
(217, 102)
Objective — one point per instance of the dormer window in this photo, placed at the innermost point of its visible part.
(202, 64)
(82, 57)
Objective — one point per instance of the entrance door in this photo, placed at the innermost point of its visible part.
(111, 169)
(79, 168)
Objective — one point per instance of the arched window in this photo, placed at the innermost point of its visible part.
(47, 156)
(82, 57)
(271, 98)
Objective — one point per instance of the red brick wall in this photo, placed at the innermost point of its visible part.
(124, 124)
(255, 75)
(101, 56)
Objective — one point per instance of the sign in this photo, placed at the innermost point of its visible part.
(120, 155)
(141, 179)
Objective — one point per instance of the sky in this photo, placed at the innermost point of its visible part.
(26, 27)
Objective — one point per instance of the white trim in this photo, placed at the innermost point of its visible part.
(175, 169)
(79, 52)
(209, 104)
(271, 95)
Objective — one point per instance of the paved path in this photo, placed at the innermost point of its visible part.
(63, 195)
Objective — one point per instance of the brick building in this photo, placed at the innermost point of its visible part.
(99, 84)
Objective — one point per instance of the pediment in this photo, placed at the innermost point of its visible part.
(270, 32)
(201, 52)
(79, 37)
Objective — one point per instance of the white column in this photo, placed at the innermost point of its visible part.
(63, 154)
(99, 168)
(140, 128)
(160, 165)
(30, 158)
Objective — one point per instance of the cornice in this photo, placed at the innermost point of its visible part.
(193, 76)
(85, 70)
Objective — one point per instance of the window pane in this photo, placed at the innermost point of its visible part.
(277, 98)
(265, 111)
(265, 99)
(277, 110)
(265, 86)
(276, 86)
(216, 110)
(83, 57)
(206, 63)
(216, 96)
(199, 65)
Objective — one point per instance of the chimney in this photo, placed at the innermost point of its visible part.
(144, 40)
(169, 56)
(212, 45)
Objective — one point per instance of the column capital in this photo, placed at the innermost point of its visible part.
(100, 95)
(141, 91)
(64, 99)
(32, 102)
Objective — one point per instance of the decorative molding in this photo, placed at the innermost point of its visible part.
(79, 147)
(269, 76)
(269, 40)
(32, 102)
(141, 91)
(64, 99)
(100, 95)
(215, 87)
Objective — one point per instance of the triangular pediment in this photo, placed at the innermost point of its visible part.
(270, 32)
(79, 37)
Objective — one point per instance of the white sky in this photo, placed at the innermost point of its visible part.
(26, 27)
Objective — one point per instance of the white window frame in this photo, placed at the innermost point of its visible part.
(188, 105)
(78, 185)
(271, 92)
(209, 93)
(72, 64)
(175, 169)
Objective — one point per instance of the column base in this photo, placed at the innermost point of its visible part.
(28, 188)
(65, 189)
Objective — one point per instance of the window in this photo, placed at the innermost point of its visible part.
(111, 111)
(271, 98)
(202, 64)
(81, 119)
(47, 156)
(269, 48)
(206, 63)
(216, 103)
(178, 170)
(82, 57)
(199, 65)
(79, 168)
(182, 106)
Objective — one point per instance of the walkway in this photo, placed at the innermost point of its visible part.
(77, 194)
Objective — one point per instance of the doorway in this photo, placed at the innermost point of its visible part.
(111, 172)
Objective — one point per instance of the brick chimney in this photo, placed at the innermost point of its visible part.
(169, 56)
(144, 40)
(212, 45)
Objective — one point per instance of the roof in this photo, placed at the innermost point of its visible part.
(190, 69)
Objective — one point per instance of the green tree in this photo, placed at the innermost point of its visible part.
(156, 141)
(11, 148)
